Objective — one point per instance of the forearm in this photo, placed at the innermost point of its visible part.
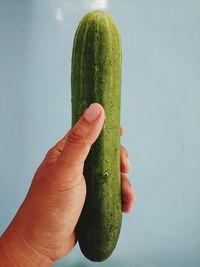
(16, 252)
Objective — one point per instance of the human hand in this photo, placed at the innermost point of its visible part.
(44, 227)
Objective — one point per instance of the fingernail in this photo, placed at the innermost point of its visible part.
(92, 113)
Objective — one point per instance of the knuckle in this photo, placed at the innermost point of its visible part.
(76, 134)
(52, 153)
(49, 153)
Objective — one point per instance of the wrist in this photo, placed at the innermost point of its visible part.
(15, 251)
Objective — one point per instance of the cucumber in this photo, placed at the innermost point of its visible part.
(96, 77)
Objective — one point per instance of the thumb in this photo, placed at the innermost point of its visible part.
(81, 137)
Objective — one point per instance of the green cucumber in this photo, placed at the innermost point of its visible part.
(96, 77)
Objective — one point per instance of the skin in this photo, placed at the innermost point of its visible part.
(43, 229)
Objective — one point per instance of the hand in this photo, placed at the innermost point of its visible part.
(44, 226)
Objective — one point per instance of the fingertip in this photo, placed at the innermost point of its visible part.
(121, 131)
(125, 164)
(128, 193)
(127, 208)
(128, 201)
(128, 164)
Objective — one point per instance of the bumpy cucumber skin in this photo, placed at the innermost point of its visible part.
(96, 77)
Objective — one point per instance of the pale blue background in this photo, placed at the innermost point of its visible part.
(160, 114)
